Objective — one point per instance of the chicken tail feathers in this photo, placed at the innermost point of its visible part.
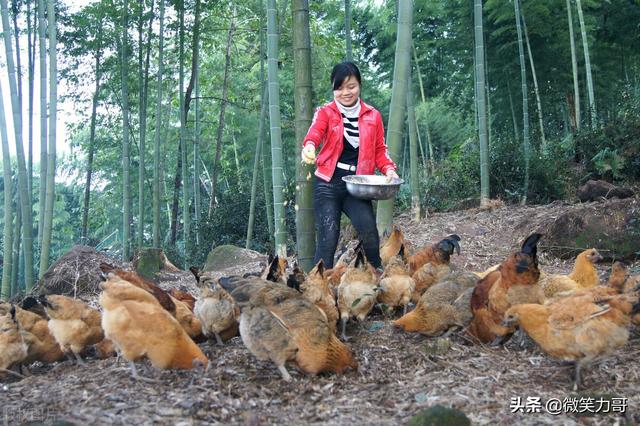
(28, 303)
(530, 244)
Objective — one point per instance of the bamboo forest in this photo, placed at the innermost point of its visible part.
(212, 156)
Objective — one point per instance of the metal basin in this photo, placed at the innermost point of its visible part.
(372, 187)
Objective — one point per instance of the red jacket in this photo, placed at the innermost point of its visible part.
(327, 129)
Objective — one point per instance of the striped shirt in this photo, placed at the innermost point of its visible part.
(350, 120)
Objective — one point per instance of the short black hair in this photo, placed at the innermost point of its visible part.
(342, 71)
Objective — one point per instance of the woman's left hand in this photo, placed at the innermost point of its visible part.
(391, 174)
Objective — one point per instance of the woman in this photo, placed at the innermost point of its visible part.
(352, 138)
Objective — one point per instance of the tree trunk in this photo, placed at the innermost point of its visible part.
(574, 67)
(525, 104)
(142, 112)
(183, 142)
(256, 162)
(193, 81)
(17, 248)
(126, 184)
(401, 73)
(481, 103)
(426, 121)
(5, 289)
(157, 143)
(223, 104)
(30, 69)
(516, 131)
(195, 59)
(268, 186)
(196, 157)
(92, 139)
(587, 65)
(42, 54)
(51, 166)
(535, 82)
(16, 36)
(303, 94)
(276, 136)
(23, 189)
(413, 154)
(347, 29)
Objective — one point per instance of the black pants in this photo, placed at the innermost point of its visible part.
(330, 199)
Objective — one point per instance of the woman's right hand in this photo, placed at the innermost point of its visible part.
(309, 154)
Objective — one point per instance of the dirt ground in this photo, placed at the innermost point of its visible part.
(399, 375)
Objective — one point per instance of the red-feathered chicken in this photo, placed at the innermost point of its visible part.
(514, 282)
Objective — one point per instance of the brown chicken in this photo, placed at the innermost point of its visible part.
(514, 282)
(443, 307)
(584, 275)
(139, 326)
(576, 328)
(296, 278)
(391, 246)
(13, 349)
(316, 289)
(428, 275)
(135, 279)
(35, 333)
(357, 292)
(621, 280)
(279, 324)
(215, 309)
(188, 320)
(437, 254)
(181, 310)
(183, 296)
(396, 285)
(276, 270)
(335, 274)
(73, 323)
(487, 271)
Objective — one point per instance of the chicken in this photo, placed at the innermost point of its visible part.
(183, 296)
(182, 311)
(357, 291)
(444, 306)
(13, 349)
(135, 279)
(621, 280)
(139, 326)
(576, 328)
(35, 333)
(296, 278)
(436, 254)
(426, 276)
(487, 271)
(187, 319)
(276, 270)
(334, 274)
(216, 310)
(317, 290)
(279, 324)
(584, 275)
(73, 323)
(391, 246)
(514, 282)
(396, 285)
